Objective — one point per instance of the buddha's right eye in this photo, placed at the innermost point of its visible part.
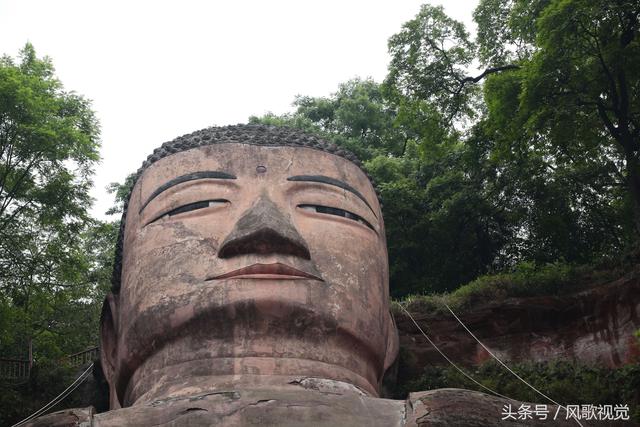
(192, 207)
(337, 212)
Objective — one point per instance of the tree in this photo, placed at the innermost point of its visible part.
(576, 93)
(48, 147)
(581, 89)
(355, 116)
(48, 144)
(429, 61)
(574, 101)
(554, 163)
(525, 160)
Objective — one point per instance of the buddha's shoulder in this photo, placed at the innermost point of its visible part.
(459, 407)
(73, 417)
(241, 408)
(441, 407)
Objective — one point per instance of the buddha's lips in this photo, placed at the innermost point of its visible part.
(267, 271)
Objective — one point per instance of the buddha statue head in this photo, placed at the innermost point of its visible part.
(248, 256)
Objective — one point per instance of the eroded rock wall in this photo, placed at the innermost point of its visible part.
(594, 326)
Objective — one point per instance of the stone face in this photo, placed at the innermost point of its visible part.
(238, 261)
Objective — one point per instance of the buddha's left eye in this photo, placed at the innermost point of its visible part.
(192, 207)
(338, 212)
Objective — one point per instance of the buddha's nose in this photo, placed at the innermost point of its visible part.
(264, 229)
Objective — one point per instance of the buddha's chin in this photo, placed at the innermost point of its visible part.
(225, 374)
(264, 338)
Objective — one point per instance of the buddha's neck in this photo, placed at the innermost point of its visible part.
(203, 376)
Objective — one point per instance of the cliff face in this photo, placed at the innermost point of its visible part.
(593, 326)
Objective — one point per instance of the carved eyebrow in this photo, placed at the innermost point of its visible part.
(332, 181)
(185, 178)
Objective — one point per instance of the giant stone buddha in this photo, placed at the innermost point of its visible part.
(251, 288)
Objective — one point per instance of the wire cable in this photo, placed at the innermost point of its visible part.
(469, 377)
(504, 365)
(58, 398)
(83, 376)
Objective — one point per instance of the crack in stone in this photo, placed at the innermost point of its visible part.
(242, 408)
(234, 395)
(192, 410)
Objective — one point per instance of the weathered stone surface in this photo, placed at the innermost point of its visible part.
(316, 407)
(594, 326)
(255, 262)
(465, 408)
(75, 417)
(260, 407)
(263, 229)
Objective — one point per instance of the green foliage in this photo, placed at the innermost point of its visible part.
(49, 280)
(120, 192)
(355, 117)
(539, 174)
(62, 317)
(551, 156)
(429, 60)
(48, 145)
(566, 382)
(526, 279)
(441, 231)
(573, 103)
(507, 30)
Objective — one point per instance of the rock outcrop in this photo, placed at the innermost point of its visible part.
(595, 326)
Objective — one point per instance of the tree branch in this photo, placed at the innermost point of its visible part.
(3, 179)
(18, 183)
(487, 72)
(474, 80)
(602, 112)
(13, 215)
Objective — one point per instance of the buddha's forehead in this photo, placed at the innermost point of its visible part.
(251, 164)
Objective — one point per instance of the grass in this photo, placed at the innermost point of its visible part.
(525, 280)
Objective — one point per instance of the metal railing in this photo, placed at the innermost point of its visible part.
(14, 369)
(82, 357)
(18, 369)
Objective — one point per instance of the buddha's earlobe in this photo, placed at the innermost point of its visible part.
(109, 346)
(391, 355)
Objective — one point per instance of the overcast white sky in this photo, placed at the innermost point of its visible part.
(159, 69)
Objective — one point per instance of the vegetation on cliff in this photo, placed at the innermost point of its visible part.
(496, 183)
(526, 279)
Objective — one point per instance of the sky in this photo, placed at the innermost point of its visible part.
(155, 70)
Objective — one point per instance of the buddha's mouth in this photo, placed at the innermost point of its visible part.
(275, 270)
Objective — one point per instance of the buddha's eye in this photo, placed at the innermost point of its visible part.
(336, 211)
(192, 207)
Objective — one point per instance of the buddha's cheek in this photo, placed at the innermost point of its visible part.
(353, 263)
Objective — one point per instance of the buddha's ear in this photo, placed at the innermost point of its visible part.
(109, 345)
(388, 379)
